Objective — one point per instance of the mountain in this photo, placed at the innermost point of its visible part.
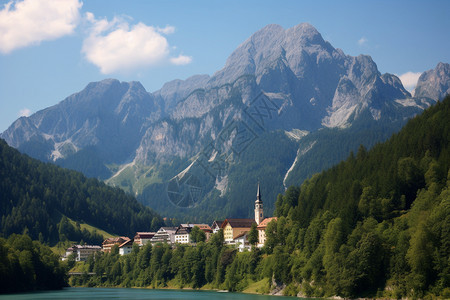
(434, 84)
(39, 199)
(286, 102)
(106, 115)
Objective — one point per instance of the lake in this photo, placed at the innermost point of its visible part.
(123, 293)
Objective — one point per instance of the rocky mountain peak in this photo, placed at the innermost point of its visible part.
(434, 84)
(269, 44)
(105, 114)
(306, 34)
(176, 90)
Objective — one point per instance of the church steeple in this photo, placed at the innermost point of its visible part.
(259, 214)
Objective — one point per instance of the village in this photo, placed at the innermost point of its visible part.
(235, 232)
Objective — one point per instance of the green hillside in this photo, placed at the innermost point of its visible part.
(376, 224)
(39, 199)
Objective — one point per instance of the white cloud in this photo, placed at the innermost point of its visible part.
(409, 80)
(181, 60)
(25, 112)
(363, 41)
(115, 46)
(29, 22)
(166, 30)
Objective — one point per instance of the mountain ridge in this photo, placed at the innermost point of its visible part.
(277, 80)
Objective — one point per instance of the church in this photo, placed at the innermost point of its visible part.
(235, 231)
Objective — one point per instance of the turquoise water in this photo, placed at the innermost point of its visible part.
(112, 293)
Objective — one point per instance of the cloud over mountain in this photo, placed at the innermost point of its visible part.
(409, 80)
(29, 22)
(363, 41)
(116, 46)
(24, 112)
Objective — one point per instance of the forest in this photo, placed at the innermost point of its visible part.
(27, 265)
(39, 198)
(375, 225)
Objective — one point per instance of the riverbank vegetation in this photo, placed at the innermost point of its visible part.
(27, 265)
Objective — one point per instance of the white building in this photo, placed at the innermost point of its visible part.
(142, 238)
(82, 252)
(216, 225)
(183, 234)
(164, 235)
(126, 247)
(241, 242)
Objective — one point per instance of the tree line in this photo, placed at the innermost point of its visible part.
(36, 196)
(27, 265)
(209, 264)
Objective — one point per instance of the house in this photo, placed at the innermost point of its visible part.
(241, 241)
(142, 238)
(206, 229)
(110, 242)
(216, 225)
(262, 230)
(183, 234)
(126, 247)
(82, 251)
(164, 235)
(234, 227)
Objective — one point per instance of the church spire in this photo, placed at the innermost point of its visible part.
(259, 214)
(258, 194)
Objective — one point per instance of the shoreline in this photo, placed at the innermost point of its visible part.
(174, 288)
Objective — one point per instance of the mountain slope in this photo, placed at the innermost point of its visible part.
(377, 223)
(106, 116)
(37, 198)
(279, 80)
(434, 84)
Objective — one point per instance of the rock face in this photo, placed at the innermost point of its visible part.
(434, 84)
(108, 115)
(278, 80)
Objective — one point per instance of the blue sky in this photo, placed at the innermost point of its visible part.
(52, 49)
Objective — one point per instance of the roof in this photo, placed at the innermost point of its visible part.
(144, 235)
(238, 223)
(116, 240)
(188, 225)
(265, 222)
(183, 230)
(218, 223)
(204, 227)
(240, 235)
(126, 243)
(84, 247)
(168, 229)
